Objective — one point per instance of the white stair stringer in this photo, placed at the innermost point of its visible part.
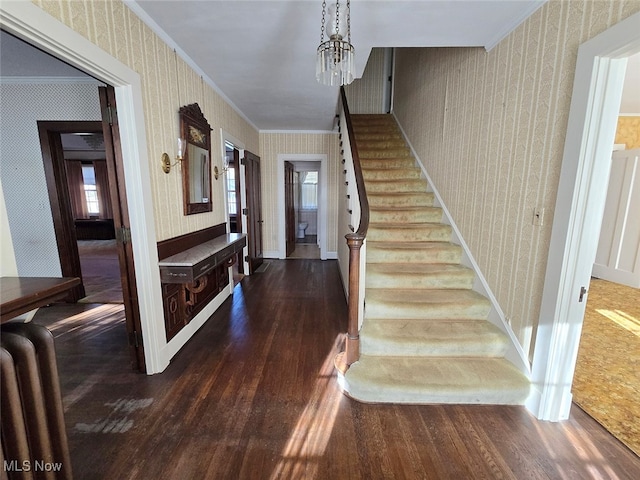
(426, 335)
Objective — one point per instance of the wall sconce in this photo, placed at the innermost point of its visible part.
(217, 173)
(166, 160)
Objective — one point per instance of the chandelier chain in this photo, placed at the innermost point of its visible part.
(338, 17)
(324, 7)
(349, 21)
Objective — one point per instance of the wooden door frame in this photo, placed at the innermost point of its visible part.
(55, 173)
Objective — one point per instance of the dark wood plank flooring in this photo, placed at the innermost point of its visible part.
(253, 395)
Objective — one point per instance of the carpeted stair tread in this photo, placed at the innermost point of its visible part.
(436, 304)
(398, 152)
(405, 214)
(387, 163)
(409, 232)
(424, 199)
(413, 185)
(418, 275)
(381, 135)
(427, 380)
(401, 252)
(399, 173)
(416, 337)
(381, 143)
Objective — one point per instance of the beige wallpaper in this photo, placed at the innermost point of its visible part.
(628, 132)
(167, 83)
(490, 128)
(365, 94)
(273, 144)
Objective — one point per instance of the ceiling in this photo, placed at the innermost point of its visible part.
(260, 55)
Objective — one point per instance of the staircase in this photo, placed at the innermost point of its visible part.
(425, 337)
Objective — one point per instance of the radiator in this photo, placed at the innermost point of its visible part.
(34, 438)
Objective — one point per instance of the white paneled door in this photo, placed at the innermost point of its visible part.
(618, 255)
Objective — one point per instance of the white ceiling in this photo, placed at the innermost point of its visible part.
(261, 54)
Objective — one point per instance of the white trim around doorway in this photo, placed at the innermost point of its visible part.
(322, 200)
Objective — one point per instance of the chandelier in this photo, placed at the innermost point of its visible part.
(335, 62)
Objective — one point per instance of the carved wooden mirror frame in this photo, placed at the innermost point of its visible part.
(196, 161)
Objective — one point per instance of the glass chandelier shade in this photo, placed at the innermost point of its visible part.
(335, 62)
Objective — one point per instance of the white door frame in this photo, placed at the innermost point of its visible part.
(240, 146)
(582, 189)
(322, 200)
(32, 24)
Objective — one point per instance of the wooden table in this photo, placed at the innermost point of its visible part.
(22, 294)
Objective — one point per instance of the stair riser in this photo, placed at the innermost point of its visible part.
(381, 144)
(377, 136)
(445, 255)
(435, 233)
(432, 311)
(418, 200)
(422, 215)
(410, 173)
(479, 347)
(387, 163)
(387, 153)
(390, 186)
(456, 280)
(452, 396)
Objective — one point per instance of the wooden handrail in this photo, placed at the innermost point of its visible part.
(354, 242)
(357, 167)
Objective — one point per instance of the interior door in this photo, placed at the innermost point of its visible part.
(617, 257)
(253, 211)
(289, 207)
(121, 223)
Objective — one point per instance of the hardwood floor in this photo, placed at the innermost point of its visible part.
(253, 395)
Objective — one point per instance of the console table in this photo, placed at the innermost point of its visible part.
(193, 277)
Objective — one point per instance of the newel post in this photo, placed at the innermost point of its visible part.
(352, 347)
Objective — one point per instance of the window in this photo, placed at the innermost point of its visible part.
(90, 189)
(309, 190)
(231, 191)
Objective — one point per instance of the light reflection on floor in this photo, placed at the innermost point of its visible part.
(626, 321)
(313, 430)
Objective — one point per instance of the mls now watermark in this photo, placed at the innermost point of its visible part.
(29, 466)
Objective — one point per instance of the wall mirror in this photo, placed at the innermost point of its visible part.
(196, 160)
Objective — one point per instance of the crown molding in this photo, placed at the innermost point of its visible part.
(48, 80)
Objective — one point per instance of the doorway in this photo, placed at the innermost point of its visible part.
(308, 172)
(233, 189)
(582, 189)
(301, 205)
(77, 190)
(92, 214)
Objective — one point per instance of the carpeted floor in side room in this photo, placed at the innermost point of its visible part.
(607, 378)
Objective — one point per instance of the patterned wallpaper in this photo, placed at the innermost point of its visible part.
(490, 127)
(23, 180)
(167, 83)
(628, 132)
(272, 144)
(365, 94)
